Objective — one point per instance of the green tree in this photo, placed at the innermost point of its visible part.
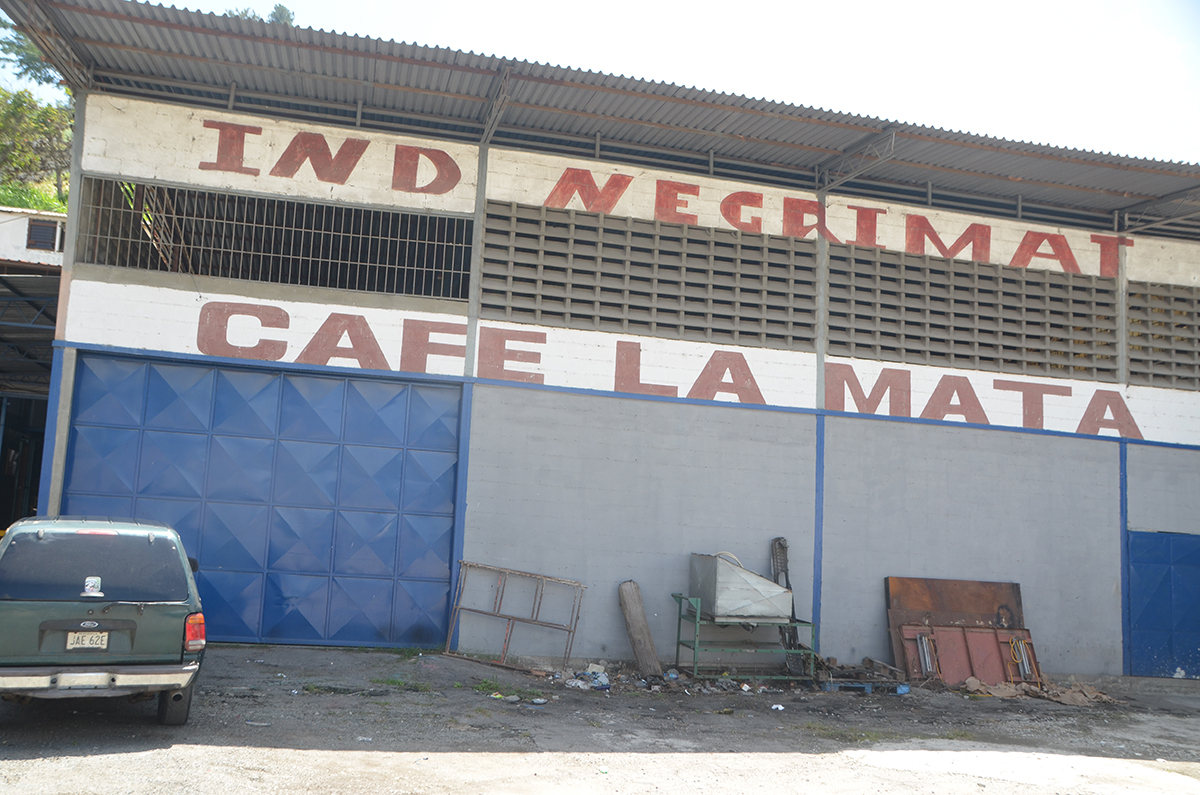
(280, 15)
(19, 50)
(35, 140)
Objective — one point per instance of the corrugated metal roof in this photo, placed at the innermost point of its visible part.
(179, 55)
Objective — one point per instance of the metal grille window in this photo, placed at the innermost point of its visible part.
(274, 240)
(42, 235)
(890, 306)
(1164, 335)
(590, 271)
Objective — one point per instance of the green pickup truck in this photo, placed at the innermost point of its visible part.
(99, 607)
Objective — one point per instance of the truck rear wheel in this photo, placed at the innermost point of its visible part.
(174, 706)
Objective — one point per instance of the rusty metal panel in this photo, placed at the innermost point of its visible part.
(954, 653)
(972, 602)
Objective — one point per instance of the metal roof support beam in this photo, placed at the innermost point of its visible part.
(1159, 222)
(34, 20)
(495, 108)
(867, 153)
(1183, 210)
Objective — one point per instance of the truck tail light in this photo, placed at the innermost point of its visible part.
(193, 637)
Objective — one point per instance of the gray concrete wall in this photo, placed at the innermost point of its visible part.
(604, 490)
(1164, 489)
(917, 500)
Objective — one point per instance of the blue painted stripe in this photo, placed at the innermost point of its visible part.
(352, 371)
(818, 533)
(1126, 619)
(460, 503)
(50, 439)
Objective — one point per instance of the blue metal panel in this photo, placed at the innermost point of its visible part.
(1164, 604)
(240, 468)
(365, 544)
(295, 606)
(300, 540)
(420, 614)
(429, 481)
(103, 460)
(109, 391)
(425, 546)
(306, 473)
(360, 610)
(179, 397)
(376, 413)
(311, 408)
(246, 403)
(321, 508)
(232, 603)
(235, 536)
(371, 477)
(172, 464)
(433, 418)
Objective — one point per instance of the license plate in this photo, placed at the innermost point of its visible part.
(87, 640)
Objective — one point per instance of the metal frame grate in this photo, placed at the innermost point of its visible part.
(928, 310)
(273, 240)
(590, 271)
(1164, 335)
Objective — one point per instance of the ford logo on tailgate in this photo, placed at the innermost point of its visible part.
(88, 624)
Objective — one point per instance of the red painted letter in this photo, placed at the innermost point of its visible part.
(416, 347)
(1059, 251)
(581, 181)
(712, 379)
(1032, 409)
(1110, 256)
(231, 147)
(917, 230)
(795, 211)
(1095, 416)
(668, 203)
(326, 343)
(314, 148)
(628, 377)
(867, 226)
(494, 352)
(404, 170)
(731, 210)
(941, 401)
(896, 384)
(212, 333)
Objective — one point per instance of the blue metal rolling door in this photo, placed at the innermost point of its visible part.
(321, 508)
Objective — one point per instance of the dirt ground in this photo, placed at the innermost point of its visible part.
(285, 719)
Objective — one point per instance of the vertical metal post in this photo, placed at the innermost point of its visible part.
(475, 290)
(358, 114)
(822, 319)
(1122, 317)
(597, 146)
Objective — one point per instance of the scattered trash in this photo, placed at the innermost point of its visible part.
(256, 723)
(363, 739)
(777, 706)
(671, 674)
(595, 669)
(726, 711)
(295, 692)
(512, 699)
(539, 701)
(745, 687)
(496, 695)
(604, 770)
(579, 683)
(281, 676)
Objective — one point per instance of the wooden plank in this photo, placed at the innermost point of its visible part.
(630, 596)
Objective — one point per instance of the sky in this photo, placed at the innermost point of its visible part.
(1101, 75)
